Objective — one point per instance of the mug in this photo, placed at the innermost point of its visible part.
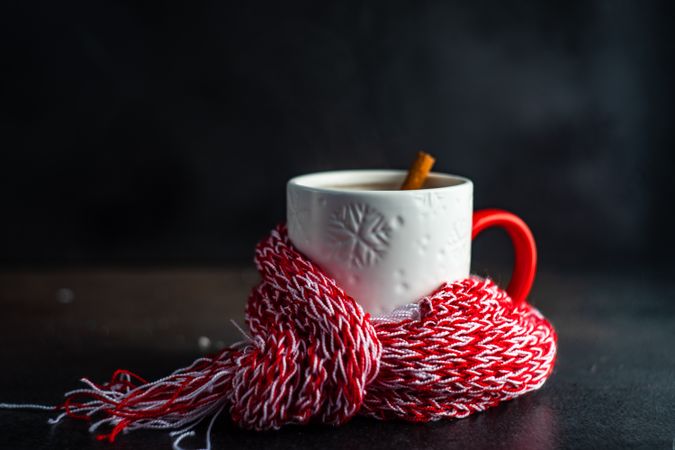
(388, 247)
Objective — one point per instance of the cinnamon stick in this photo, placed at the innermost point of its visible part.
(418, 172)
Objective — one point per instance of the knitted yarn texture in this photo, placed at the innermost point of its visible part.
(313, 355)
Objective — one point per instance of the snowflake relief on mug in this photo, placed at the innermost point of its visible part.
(456, 241)
(359, 234)
(430, 203)
(298, 214)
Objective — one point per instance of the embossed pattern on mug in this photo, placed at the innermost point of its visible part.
(456, 244)
(430, 203)
(297, 214)
(359, 234)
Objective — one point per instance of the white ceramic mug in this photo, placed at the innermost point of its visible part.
(389, 247)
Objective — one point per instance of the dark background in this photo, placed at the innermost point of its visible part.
(145, 147)
(159, 133)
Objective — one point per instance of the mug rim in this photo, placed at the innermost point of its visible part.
(310, 181)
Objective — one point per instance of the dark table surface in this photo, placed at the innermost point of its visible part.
(613, 385)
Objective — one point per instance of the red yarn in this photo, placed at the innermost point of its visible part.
(314, 355)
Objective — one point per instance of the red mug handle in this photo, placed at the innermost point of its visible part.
(524, 248)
